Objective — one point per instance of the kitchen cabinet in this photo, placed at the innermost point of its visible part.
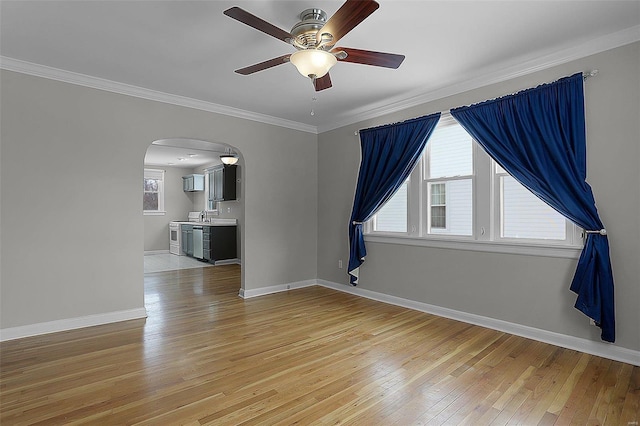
(220, 243)
(224, 182)
(193, 183)
(187, 239)
(206, 243)
(224, 242)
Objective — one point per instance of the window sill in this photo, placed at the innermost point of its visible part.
(154, 213)
(567, 252)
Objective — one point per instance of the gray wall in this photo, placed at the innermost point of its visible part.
(77, 154)
(528, 290)
(177, 205)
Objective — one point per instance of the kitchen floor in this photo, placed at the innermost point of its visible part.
(170, 262)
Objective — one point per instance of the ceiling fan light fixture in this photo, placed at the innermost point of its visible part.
(313, 63)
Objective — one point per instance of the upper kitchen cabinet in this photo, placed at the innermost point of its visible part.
(223, 180)
(192, 183)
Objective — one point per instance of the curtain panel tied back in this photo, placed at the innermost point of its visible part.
(538, 136)
(389, 154)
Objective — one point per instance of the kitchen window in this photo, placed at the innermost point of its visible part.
(153, 192)
(458, 197)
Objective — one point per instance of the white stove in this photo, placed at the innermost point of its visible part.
(175, 236)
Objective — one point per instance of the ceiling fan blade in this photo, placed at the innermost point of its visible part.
(368, 57)
(264, 65)
(322, 83)
(258, 23)
(350, 14)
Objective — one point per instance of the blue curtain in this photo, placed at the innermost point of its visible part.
(538, 136)
(389, 154)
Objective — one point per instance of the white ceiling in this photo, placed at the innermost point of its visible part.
(190, 49)
(184, 153)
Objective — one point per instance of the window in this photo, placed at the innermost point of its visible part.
(523, 215)
(392, 217)
(458, 194)
(153, 192)
(448, 171)
(438, 206)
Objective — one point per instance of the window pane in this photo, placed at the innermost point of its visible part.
(392, 217)
(151, 185)
(451, 152)
(438, 194)
(454, 215)
(438, 205)
(526, 216)
(438, 217)
(150, 201)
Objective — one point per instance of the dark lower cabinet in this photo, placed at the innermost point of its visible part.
(219, 243)
(206, 243)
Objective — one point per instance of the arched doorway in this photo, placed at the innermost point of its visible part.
(170, 160)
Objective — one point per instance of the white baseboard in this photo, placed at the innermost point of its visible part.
(255, 292)
(605, 350)
(70, 324)
(147, 252)
(235, 261)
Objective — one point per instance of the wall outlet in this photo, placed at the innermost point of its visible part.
(340, 264)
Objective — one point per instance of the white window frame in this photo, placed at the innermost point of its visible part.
(573, 233)
(429, 188)
(158, 175)
(486, 215)
(445, 120)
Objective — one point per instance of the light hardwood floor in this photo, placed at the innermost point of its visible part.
(308, 356)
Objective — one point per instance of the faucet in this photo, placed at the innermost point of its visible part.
(203, 216)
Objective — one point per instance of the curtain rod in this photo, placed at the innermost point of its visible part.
(585, 75)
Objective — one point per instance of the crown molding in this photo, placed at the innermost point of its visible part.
(523, 66)
(497, 74)
(24, 67)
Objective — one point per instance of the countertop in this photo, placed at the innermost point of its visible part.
(213, 222)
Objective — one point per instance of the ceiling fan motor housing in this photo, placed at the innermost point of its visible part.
(306, 30)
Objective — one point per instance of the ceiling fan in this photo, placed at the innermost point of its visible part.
(314, 37)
